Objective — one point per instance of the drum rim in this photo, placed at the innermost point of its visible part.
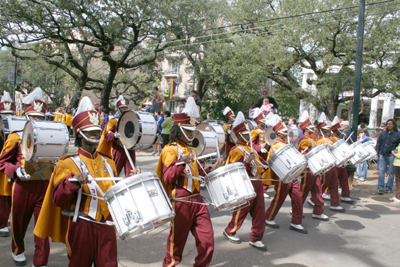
(220, 170)
(34, 140)
(118, 124)
(121, 185)
(280, 151)
(212, 124)
(223, 207)
(314, 151)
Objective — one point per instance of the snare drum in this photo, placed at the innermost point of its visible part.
(342, 152)
(229, 187)
(205, 142)
(252, 124)
(216, 128)
(370, 149)
(288, 163)
(137, 129)
(44, 140)
(320, 160)
(360, 153)
(138, 204)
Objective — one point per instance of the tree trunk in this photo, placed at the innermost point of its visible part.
(200, 90)
(108, 86)
(78, 94)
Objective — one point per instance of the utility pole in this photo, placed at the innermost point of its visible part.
(357, 78)
(15, 77)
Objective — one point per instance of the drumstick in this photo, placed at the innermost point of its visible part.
(201, 157)
(216, 143)
(129, 158)
(349, 137)
(98, 179)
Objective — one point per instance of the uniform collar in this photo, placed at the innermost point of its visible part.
(86, 154)
(258, 127)
(241, 144)
(280, 140)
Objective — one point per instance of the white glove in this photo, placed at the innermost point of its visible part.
(229, 131)
(117, 135)
(263, 150)
(21, 173)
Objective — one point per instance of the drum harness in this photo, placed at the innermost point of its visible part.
(189, 175)
(92, 186)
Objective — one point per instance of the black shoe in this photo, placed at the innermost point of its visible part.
(388, 191)
(302, 231)
(275, 226)
(380, 192)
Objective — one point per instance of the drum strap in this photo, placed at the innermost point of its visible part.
(261, 134)
(246, 155)
(182, 199)
(187, 168)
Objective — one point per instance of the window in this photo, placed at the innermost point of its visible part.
(172, 106)
(173, 67)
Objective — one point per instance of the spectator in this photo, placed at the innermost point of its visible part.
(158, 96)
(182, 107)
(67, 119)
(292, 124)
(166, 128)
(196, 99)
(148, 105)
(362, 168)
(396, 164)
(347, 134)
(110, 115)
(387, 142)
(96, 106)
(50, 114)
(157, 145)
(383, 128)
(58, 114)
(270, 99)
(266, 107)
(105, 117)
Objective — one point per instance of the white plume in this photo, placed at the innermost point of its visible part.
(257, 112)
(121, 97)
(304, 116)
(6, 97)
(273, 120)
(239, 119)
(85, 105)
(37, 94)
(226, 110)
(322, 118)
(191, 109)
(335, 120)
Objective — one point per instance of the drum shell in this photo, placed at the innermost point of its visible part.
(145, 129)
(320, 160)
(293, 134)
(252, 124)
(13, 123)
(229, 186)
(214, 127)
(360, 153)
(44, 140)
(370, 149)
(342, 152)
(207, 142)
(142, 195)
(288, 163)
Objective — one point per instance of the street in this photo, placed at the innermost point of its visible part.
(365, 235)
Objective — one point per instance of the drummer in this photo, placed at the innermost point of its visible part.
(230, 115)
(110, 144)
(89, 239)
(254, 166)
(183, 187)
(310, 182)
(7, 107)
(342, 171)
(282, 189)
(27, 195)
(329, 179)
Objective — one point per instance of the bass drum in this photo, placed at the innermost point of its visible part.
(13, 123)
(44, 140)
(138, 129)
(205, 142)
(216, 128)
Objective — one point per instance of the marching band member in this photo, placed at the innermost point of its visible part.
(110, 145)
(342, 171)
(183, 187)
(228, 113)
(282, 189)
(259, 142)
(254, 166)
(27, 195)
(310, 182)
(7, 107)
(74, 213)
(330, 178)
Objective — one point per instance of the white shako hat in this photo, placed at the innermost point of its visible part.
(7, 105)
(34, 103)
(86, 117)
(258, 115)
(305, 122)
(187, 119)
(323, 122)
(240, 125)
(121, 102)
(335, 125)
(228, 113)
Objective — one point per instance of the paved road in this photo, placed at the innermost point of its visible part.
(366, 235)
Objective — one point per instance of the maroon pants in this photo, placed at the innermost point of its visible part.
(90, 242)
(282, 190)
(312, 183)
(5, 208)
(27, 199)
(329, 180)
(256, 209)
(194, 218)
(121, 160)
(344, 181)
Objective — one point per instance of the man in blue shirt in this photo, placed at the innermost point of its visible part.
(387, 142)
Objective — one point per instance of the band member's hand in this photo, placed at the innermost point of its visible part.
(263, 150)
(250, 158)
(187, 159)
(117, 135)
(138, 170)
(376, 157)
(220, 162)
(21, 173)
(82, 178)
(394, 151)
(303, 152)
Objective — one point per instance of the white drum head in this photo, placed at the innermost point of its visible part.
(293, 134)
(129, 128)
(28, 141)
(270, 136)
